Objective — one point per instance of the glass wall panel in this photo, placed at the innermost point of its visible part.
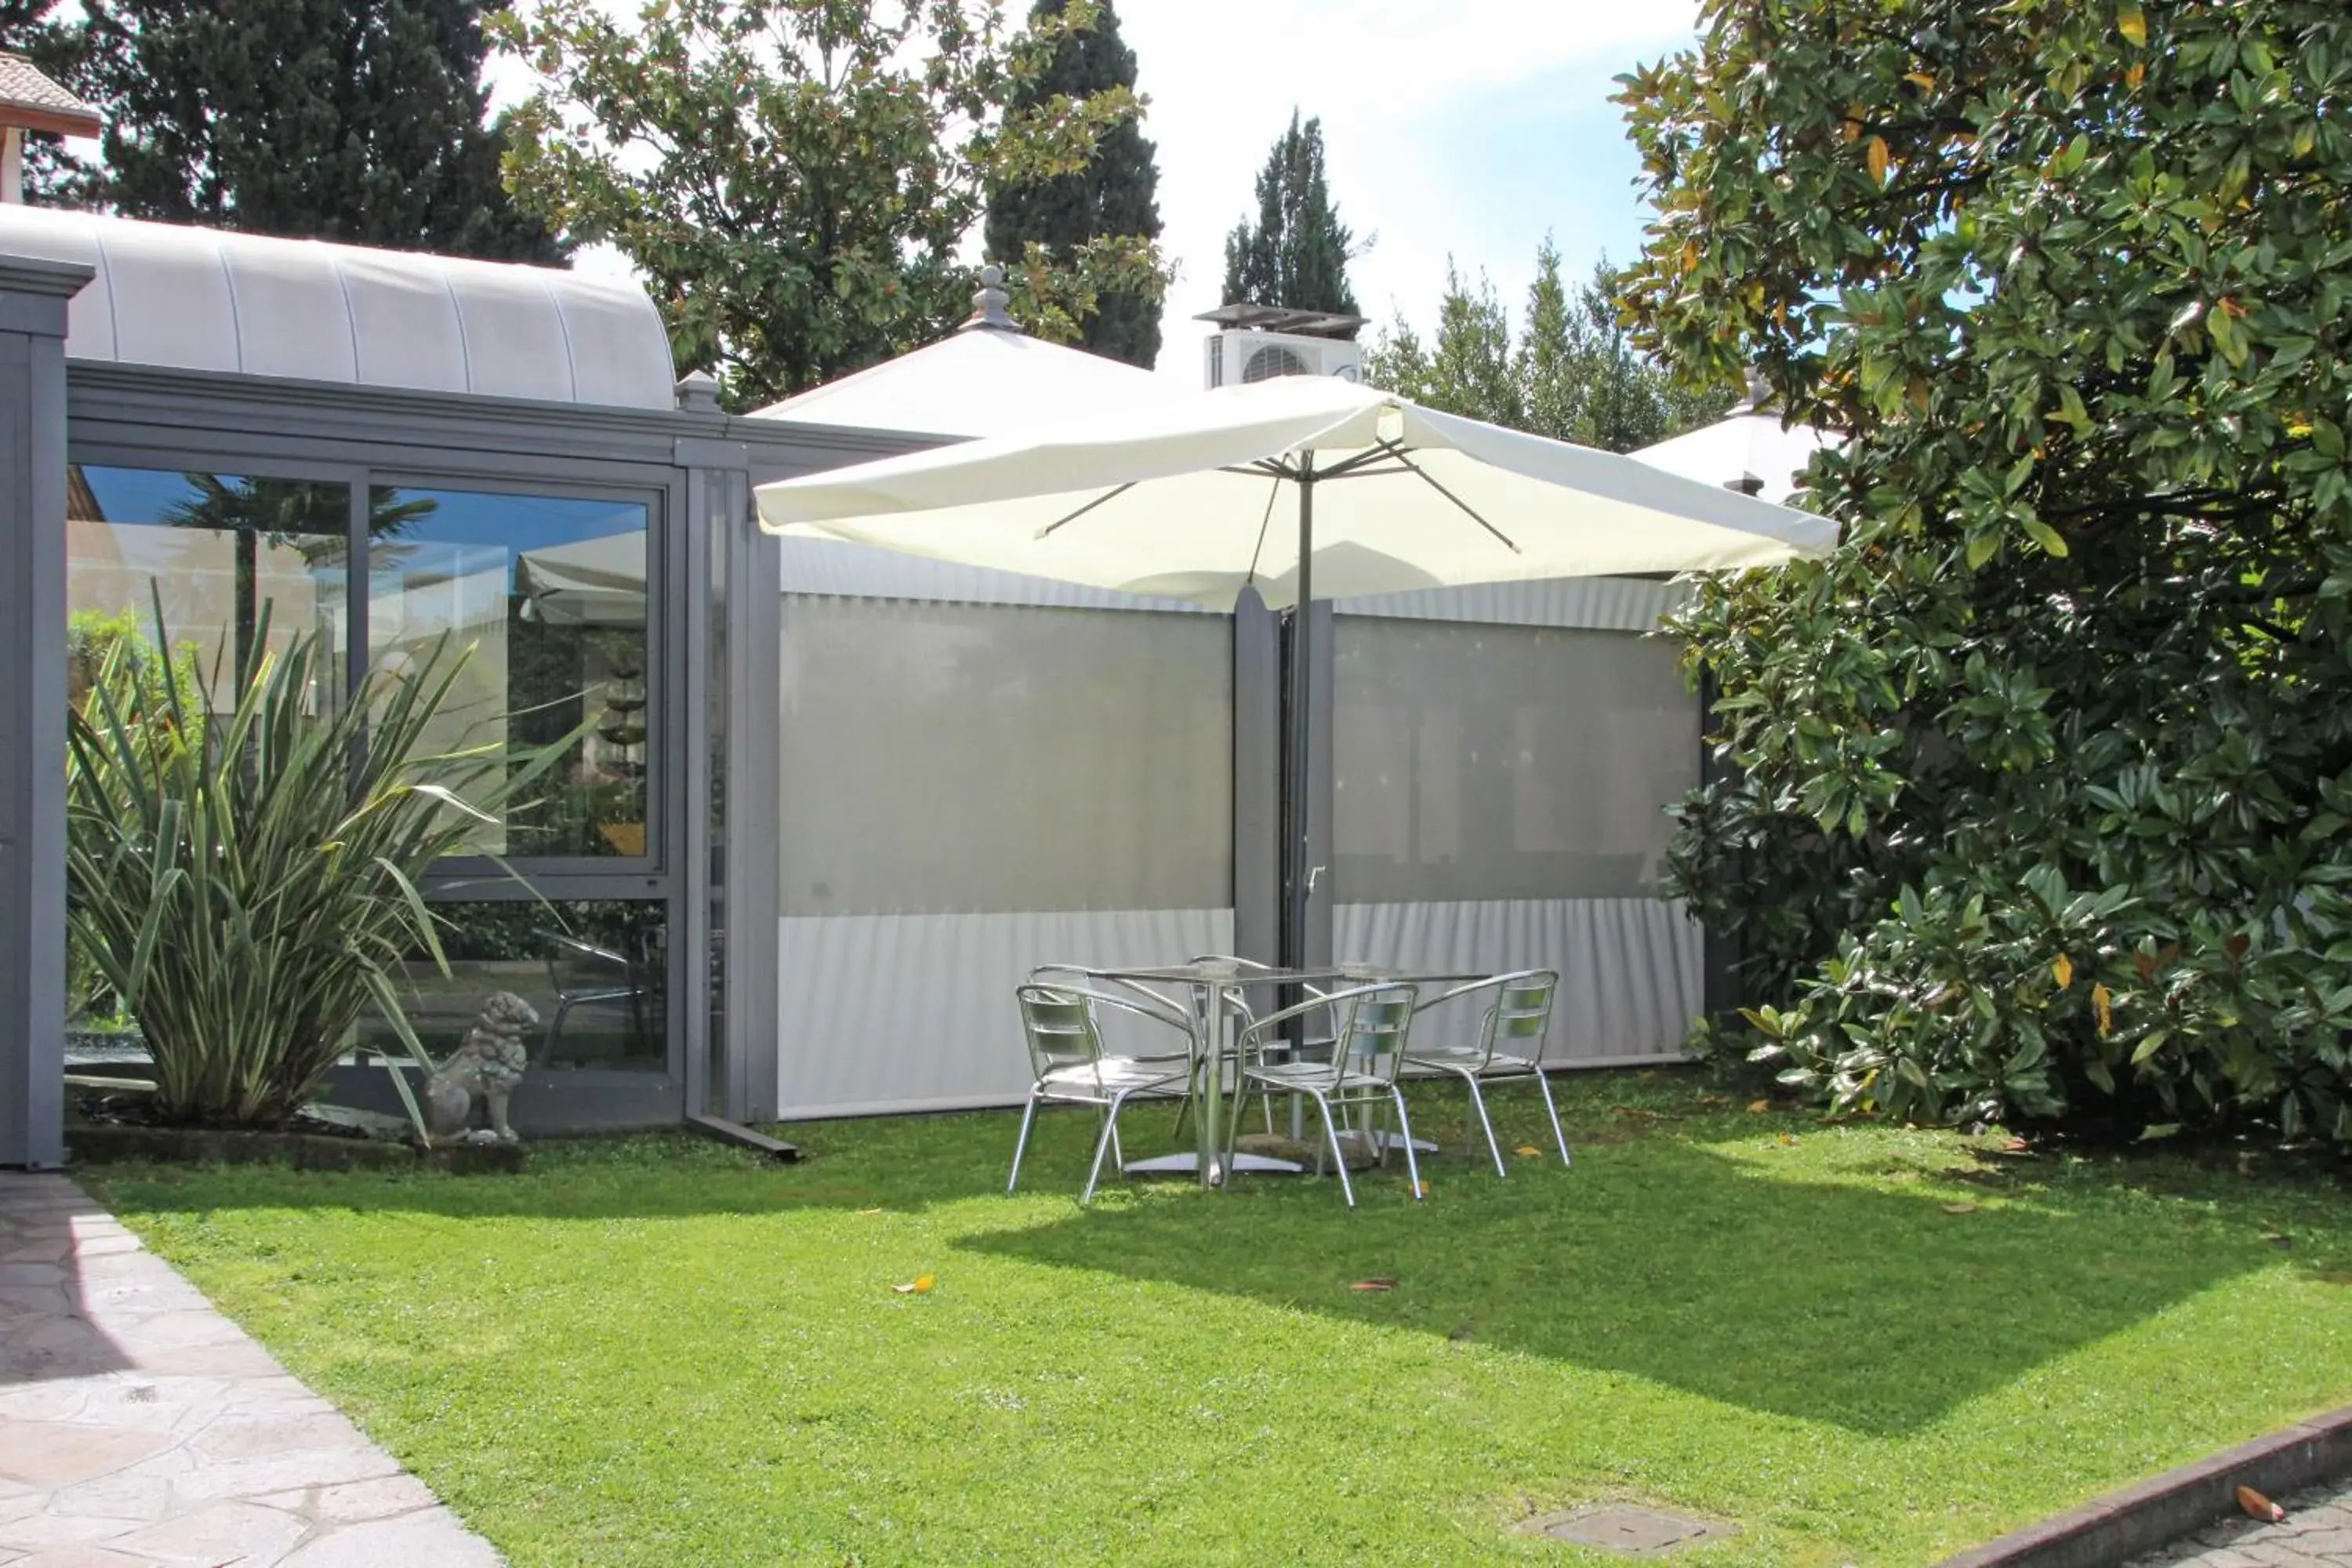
(549, 594)
(1475, 762)
(941, 758)
(215, 550)
(594, 971)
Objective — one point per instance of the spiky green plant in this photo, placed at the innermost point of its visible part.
(247, 883)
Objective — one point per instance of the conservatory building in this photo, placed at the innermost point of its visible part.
(816, 808)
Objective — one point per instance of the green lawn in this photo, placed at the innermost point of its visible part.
(655, 1351)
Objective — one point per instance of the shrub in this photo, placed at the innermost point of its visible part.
(247, 884)
(2040, 801)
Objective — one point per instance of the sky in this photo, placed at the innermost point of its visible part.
(1463, 128)
(1468, 128)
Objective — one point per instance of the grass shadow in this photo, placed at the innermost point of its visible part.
(1877, 1310)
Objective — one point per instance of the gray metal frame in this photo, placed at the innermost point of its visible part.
(33, 296)
(696, 467)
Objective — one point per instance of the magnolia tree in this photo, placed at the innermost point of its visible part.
(794, 179)
(2042, 799)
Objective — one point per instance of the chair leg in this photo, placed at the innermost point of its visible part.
(1338, 1155)
(1552, 1110)
(1102, 1146)
(1404, 1127)
(1478, 1104)
(1021, 1144)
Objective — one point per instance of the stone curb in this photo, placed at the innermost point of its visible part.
(2148, 1514)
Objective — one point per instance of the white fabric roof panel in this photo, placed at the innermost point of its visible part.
(196, 299)
(979, 380)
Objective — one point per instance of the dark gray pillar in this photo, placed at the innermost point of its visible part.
(1257, 780)
(33, 296)
(1322, 693)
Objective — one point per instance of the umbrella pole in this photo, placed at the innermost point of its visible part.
(1298, 763)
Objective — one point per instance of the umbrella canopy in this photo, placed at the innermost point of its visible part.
(1182, 497)
(598, 582)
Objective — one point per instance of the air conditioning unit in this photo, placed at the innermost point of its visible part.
(1237, 358)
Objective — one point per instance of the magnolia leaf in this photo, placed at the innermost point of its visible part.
(2131, 22)
(2103, 1004)
(1875, 154)
(2051, 541)
(1959, 1208)
(919, 1285)
(2061, 969)
(1529, 1152)
(1382, 1283)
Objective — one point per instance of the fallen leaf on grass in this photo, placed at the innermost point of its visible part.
(919, 1286)
(1789, 1140)
(869, 1211)
(1529, 1152)
(1383, 1283)
(2015, 1146)
(1959, 1208)
(2259, 1507)
(1423, 1190)
(1759, 1106)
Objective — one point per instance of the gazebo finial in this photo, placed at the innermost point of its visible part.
(988, 305)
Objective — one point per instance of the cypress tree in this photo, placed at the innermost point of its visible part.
(1115, 193)
(360, 120)
(1296, 256)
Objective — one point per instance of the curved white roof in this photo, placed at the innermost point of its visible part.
(200, 298)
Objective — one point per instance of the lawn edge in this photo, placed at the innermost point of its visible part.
(2157, 1511)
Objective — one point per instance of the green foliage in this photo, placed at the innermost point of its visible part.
(360, 120)
(1114, 197)
(2074, 277)
(247, 884)
(1296, 255)
(92, 637)
(794, 179)
(1573, 374)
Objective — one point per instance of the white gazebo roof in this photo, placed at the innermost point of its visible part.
(199, 299)
(987, 378)
(1745, 450)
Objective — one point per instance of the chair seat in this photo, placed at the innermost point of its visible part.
(1112, 1074)
(1304, 1076)
(1468, 1059)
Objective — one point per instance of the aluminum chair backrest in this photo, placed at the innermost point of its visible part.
(1522, 1016)
(1059, 1027)
(1370, 1025)
(1372, 1028)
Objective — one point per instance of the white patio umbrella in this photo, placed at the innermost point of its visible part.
(1194, 498)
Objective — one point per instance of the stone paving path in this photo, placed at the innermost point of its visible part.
(139, 1428)
(2315, 1534)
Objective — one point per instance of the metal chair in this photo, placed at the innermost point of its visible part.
(1308, 1048)
(632, 987)
(1515, 1022)
(1066, 1056)
(1368, 1052)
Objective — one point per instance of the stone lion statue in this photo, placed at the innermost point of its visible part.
(489, 1063)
